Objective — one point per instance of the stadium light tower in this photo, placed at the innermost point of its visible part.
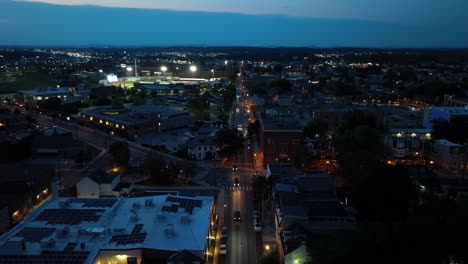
(193, 69)
(164, 69)
(225, 67)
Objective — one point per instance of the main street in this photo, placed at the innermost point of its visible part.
(242, 241)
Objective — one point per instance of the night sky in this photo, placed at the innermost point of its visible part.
(325, 23)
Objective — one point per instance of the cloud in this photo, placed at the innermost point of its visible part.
(4, 21)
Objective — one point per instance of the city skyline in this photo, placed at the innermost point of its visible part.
(273, 25)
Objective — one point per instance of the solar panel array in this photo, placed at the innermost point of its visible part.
(47, 257)
(69, 216)
(135, 237)
(35, 234)
(187, 204)
(94, 202)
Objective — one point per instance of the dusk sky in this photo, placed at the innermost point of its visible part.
(370, 23)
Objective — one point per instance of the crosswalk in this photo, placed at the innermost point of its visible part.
(238, 188)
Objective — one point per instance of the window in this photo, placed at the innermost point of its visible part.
(131, 260)
(199, 147)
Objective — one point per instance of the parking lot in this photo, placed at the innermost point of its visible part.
(171, 139)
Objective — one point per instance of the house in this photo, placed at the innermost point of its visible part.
(202, 147)
(296, 252)
(449, 155)
(102, 184)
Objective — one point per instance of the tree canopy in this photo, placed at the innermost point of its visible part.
(120, 153)
(229, 141)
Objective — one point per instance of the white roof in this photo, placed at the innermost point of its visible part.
(164, 222)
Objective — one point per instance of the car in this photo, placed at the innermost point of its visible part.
(223, 250)
(257, 214)
(257, 225)
(236, 182)
(237, 216)
(224, 233)
(234, 167)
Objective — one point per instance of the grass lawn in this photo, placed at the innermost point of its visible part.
(29, 80)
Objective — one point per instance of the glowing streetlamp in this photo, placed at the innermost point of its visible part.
(193, 69)
(212, 71)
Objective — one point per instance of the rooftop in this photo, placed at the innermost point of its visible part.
(48, 91)
(165, 222)
(281, 124)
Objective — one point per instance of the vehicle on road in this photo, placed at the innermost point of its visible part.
(224, 233)
(234, 167)
(236, 182)
(237, 216)
(257, 214)
(257, 225)
(223, 250)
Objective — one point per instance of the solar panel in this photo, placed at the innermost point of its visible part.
(69, 216)
(187, 204)
(135, 237)
(35, 234)
(101, 202)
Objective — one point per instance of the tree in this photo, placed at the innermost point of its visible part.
(117, 101)
(315, 127)
(101, 101)
(283, 85)
(454, 130)
(161, 171)
(52, 104)
(253, 128)
(228, 141)
(120, 153)
(137, 100)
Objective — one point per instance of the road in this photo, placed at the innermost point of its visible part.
(242, 241)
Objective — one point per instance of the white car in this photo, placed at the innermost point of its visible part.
(257, 225)
(223, 250)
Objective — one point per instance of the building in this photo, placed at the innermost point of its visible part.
(278, 171)
(307, 203)
(125, 230)
(135, 120)
(13, 122)
(202, 148)
(102, 184)
(443, 112)
(280, 138)
(34, 97)
(407, 146)
(335, 116)
(449, 155)
(28, 188)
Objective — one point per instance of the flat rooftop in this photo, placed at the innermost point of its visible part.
(78, 229)
(281, 124)
(47, 91)
(453, 110)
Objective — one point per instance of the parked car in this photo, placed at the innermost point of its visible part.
(234, 167)
(224, 232)
(223, 250)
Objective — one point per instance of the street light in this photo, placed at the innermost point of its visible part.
(193, 69)
(164, 69)
(212, 71)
